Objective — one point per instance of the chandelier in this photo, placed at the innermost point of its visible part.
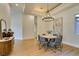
(48, 17)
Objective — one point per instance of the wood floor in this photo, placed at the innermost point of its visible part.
(30, 48)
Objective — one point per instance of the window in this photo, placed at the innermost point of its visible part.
(77, 24)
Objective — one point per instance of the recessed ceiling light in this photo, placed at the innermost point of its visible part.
(16, 4)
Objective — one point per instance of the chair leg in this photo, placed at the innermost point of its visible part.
(39, 46)
(61, 46)
(54, 49)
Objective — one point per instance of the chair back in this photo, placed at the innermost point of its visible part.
(60, 37)
(58, 40)
(54, 34)
(42, 39)
(39, 37)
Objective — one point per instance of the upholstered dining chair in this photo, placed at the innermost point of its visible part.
(54, 34)
(57, 43)
(52, 43)
(43, 42)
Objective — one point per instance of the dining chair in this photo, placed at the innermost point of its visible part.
(52, 43)
(43, 42)
(54, 34)
(56, 43)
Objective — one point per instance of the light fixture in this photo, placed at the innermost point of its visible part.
(48, 17)
(16, 4)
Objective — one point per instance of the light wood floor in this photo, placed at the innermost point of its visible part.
(31, 48)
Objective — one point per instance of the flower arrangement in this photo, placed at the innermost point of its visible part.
(49, 31)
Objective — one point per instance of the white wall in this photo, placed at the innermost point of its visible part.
(16, 22)
(28, 26)
(68, 15)
(41, 26)
(22, 24)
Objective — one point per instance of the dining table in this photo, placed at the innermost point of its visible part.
(48, 36)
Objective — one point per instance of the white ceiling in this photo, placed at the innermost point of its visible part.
(18, 6)
(38, 8)
(35, 8)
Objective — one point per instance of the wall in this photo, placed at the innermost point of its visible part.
(41, 26)
(28, 26)
(16, 22)
(68, 14)
(22, 24)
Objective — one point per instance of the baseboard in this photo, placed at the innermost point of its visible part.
(17, 39)
(77, 46)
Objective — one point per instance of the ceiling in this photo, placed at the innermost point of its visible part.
(36, 8)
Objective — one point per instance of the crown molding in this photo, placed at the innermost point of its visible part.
(63, 7)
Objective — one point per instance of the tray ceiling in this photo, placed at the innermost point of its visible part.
(35, 8)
